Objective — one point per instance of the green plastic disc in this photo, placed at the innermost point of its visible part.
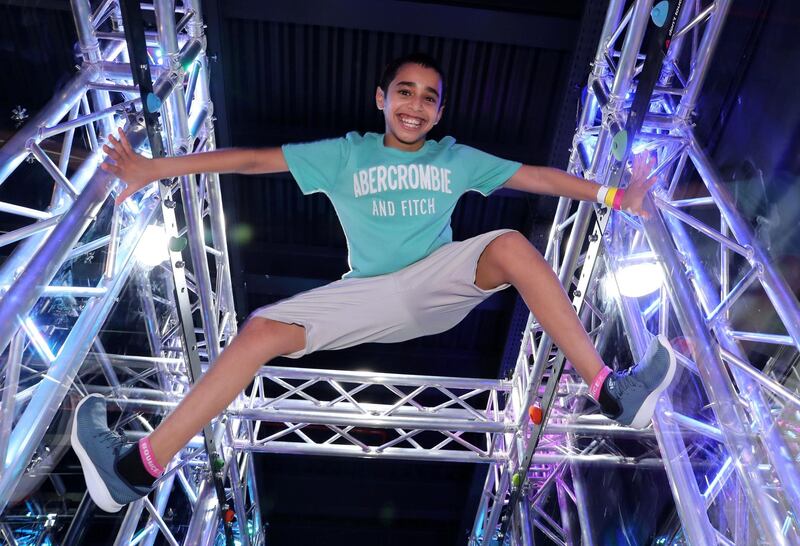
(619, 144)
(217, 464)
(516, 480)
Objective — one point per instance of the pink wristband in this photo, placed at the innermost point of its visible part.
(597, 382)
(149, 459)
(618, 200)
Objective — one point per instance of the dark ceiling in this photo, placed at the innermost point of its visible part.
(287, 71)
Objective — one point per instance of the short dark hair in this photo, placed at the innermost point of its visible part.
(420, 58)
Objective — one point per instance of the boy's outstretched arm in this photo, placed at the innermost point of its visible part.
(550, 181)
(138, 171)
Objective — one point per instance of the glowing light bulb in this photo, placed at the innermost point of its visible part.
(152, 248)
(638, 279)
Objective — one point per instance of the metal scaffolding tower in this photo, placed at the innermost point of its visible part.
(728, 450)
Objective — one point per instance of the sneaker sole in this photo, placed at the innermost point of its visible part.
(94, 483)
(645, 413)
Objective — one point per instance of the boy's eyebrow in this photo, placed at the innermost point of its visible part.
(427, 88)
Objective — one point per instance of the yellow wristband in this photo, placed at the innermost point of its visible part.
(609, 200)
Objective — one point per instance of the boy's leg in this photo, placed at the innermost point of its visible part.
(259, 341)
(117, 473)
(510, 258)
(630, 396)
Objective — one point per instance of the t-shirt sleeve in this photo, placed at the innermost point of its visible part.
(489, 172)
(316, 165)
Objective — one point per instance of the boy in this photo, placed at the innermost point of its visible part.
(394, 195)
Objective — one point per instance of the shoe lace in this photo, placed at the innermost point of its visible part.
(111, 438)
(626, 379)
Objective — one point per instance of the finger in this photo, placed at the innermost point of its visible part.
(123, 139)
(111, 168)
(127, 192)
(111, 152)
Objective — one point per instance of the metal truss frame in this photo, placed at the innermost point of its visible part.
(757, 468)
(751, 483)
(43, 357)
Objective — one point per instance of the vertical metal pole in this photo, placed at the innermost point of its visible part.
(10, 386)
(581, 498)
(179, 122)
(90, 47)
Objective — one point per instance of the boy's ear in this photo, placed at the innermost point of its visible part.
(379, 98)
(439, 115)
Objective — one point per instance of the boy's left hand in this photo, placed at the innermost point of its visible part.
(639, 185)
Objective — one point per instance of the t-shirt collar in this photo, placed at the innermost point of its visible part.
(401, 153)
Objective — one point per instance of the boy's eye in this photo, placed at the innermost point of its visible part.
(404, 92)
(431, 99)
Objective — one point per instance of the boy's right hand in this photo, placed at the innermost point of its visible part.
(132, 168)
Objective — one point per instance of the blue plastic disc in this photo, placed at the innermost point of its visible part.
(659, 13)
(153, 103)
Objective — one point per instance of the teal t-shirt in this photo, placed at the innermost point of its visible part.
(394, 206)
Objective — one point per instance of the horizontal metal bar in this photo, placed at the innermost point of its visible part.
(325, 416)
(74, 291)
(385, 378)
(694, 425)
(10, 208)
(299, 448)
(151, 38)
(697, 201)
(114, 87)
(703, 228)
(27, 231)
(79, 250)
(762, 338)
(47, 132)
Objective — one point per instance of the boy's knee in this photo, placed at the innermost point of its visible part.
(290, 337)
(507, 245)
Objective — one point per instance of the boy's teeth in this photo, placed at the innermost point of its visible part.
(411, 123)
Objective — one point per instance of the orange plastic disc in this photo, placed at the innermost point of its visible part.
(535, 413)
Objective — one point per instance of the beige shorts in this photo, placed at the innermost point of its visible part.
(427, 297)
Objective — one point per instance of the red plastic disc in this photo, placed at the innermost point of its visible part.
(229, 514)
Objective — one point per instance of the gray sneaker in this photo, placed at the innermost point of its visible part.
(629, 397)
(98, 448)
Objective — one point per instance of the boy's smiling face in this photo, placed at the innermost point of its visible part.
(411, 106)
